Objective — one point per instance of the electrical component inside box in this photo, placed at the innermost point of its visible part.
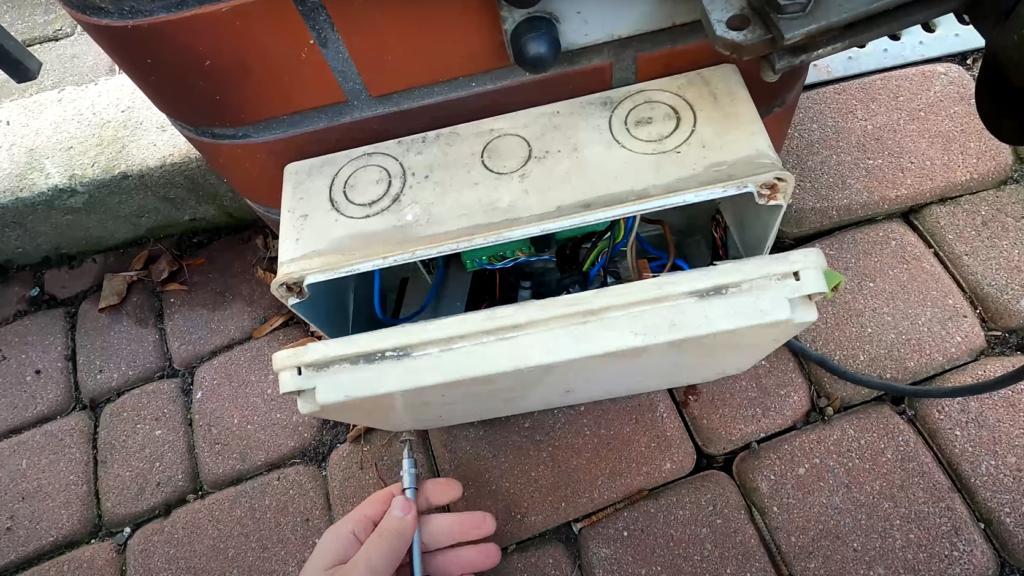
(478, 258)
(563, 262)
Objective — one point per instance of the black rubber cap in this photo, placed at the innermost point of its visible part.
(522, 4)
(535, 44)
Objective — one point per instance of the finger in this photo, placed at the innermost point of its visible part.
(342, 540)
(462, 560)
(444, 530)
(385, 549)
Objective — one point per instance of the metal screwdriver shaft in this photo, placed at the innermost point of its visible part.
(409, 485)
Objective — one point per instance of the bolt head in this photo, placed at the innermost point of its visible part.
(789, 7)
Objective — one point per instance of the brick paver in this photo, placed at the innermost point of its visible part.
(900, 316)
(980, 440)
(732, 412)
(535, 471)
(241, 423)
(47, 499)
(266, 526)
(696, 526)
(862, 494)
(224, 304)
(96, 560)
(67, 281)
(144, 454)
(119, 347)
(981, 238)
(887, 142)
(14, 294)
(351, 472)
(541, 557)
(35, 370)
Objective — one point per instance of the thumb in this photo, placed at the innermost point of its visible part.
(385, 549)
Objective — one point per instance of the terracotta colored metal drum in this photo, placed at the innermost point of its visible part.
(257, 84)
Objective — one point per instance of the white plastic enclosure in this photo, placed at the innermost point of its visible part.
(690, 140)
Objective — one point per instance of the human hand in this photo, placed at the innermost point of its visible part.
(374, 538)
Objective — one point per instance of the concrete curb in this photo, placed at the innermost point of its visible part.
(90, 167)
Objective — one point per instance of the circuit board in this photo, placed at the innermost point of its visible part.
(472, 259)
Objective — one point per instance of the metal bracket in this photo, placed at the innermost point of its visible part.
(856, 34)
(746, 29)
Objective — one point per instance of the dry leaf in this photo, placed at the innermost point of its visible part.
(265, 275)
(163, 267)
(355, 433)
(834, 404)
(172, 286)
(193, 262)
(139, 261)
(272, 324)
(133, 276)
(115, 286)
(268, 245)
(300, 343)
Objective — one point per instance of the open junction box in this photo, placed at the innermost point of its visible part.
(599, 247)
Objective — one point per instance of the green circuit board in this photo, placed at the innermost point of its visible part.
(471, 259)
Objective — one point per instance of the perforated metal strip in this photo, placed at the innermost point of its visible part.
(916, 44)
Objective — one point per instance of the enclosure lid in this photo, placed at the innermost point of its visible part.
(639, 148)
(679, 329)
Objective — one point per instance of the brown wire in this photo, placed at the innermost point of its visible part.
(668, 240)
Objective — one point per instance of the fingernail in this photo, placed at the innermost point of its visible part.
(401, 506)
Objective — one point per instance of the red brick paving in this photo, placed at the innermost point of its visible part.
(241, 423)
(96, 560)
(46, 489)
(885, 143)
(224, 304)
(536, 471)
(144, 454)
(350, 471)
(980, 439)
(732, 412)
(35, 370)
(859, 494)
(120, 347)
(862, 494)
(266, 526)
(67, 281)
(14, 294)
(697, 526)
(981, 238)
(900, 316)
(541, 557)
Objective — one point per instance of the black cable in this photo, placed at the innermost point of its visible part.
(1006, 380)
(608, 231)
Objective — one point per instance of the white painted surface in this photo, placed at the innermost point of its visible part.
(914, 45)
(441, 199)
(675, 330)
(587, 22)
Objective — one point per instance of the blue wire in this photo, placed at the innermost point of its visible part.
(659, 265)
(438, 279)
(678, 261)
(604, 259)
